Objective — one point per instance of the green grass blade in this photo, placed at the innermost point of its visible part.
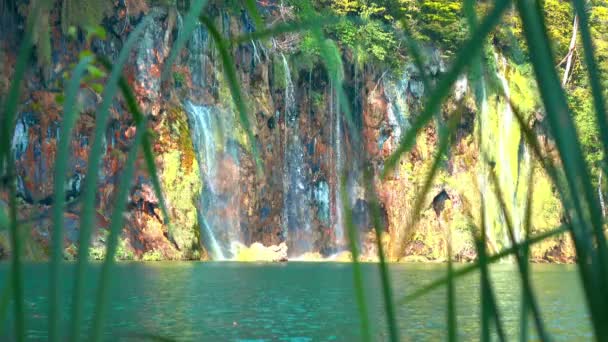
(595, 76)
(452, 329)
(146, 144)
(90, 186)
(525, 280)
(490, 260)
(3, 220)
(190, 22)
(525, 306)
(566, 138)
(490, 309)
(384, 272)
(7, 123)
(562, 125)
(70, 116)
(235, 89)
(16, 245)
(486, 298)
(353, 238)
(442, 90)
(583, 246)
(12, 99)
(115, 230)
(5, 300)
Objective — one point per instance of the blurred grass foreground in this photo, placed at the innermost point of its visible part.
(432, 149)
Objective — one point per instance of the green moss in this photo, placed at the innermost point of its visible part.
(278, 73)
(180, 179)
(124, 251)
(152, 255)
(83, 13)
(97, 252)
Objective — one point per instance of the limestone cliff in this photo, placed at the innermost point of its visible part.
(205, 162)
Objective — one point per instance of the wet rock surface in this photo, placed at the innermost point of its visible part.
(219, 201)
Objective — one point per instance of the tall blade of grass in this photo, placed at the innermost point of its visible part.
(235, 89)
(577, 175)
(12, 99)
(525, 280)
(460, 272)
(7, 129)
(566, 122)
(70, 116)
(16, 246)
(190, 22)
(140, 121)
(90, 187)
(3, 220)
(525, 306)
(489, 306)
(476, 72)
(595, 76)
(384, 272)
(441, 91)
(485, 291)
(583, 246)
(5, 299)
(329, 53)
(353, 239)
(532, 142)
(452, 329)
(120, 203)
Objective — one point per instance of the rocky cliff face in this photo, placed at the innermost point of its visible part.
(217, 201)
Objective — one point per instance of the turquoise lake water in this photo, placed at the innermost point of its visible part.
(296, 302)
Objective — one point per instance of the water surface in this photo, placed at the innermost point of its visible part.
(296, 301)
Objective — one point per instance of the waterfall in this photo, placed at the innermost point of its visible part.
(502, 144)
(197, 62)
(218, 164)
(514, 156)
(336, 122)
(20, 139)
(297, 194)
(396, 93)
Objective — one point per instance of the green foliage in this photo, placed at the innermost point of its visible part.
(179, 79)
(586, 123)
(278, 73)
(439, 21)
(152, 255)
(124, 251)
(83, 13)
(97, 253)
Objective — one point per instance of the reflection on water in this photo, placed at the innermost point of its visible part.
(298, 301)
